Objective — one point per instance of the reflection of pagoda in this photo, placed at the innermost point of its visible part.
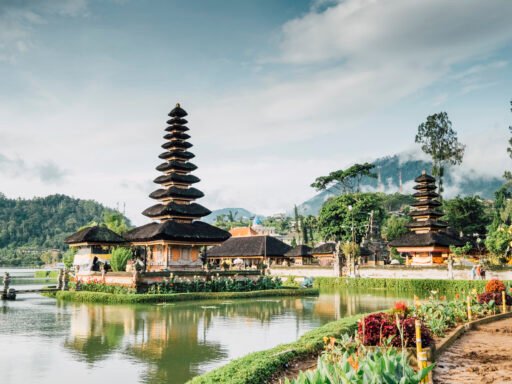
(428, 242)
(175, 240)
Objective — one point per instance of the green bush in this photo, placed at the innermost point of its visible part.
(259, 367)
(96, 286)
(131, 298)
(120, 257)
(418, 286)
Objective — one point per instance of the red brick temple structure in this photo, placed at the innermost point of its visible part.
(177, 237)
(428, 242)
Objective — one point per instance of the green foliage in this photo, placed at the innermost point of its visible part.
(216, 284)
(46, 274)
(468, 214)
(336, 219)
(418, 286)
(97, 286)
(120, 257)
(397, 202)
(440, 142)
(348, 180)
(116, 222)
(387, 365)
(394, 227)
(259, 367)
(508, 175)
(231, 220)
(30, 227)
(69, 257)
(461, 251)
(499, 240)
(132, 298)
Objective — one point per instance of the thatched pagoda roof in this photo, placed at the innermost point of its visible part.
(95, 234)
(298, 251)
(176, 165)
(325, 248)
(182, 155)
(250, 246)
(193, 210)
(175, 192)
(425, 178)
(426, 240)
(195, 232)
(177, 178)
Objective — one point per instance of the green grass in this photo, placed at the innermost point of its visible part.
(410, 285)
(110, 298)
(259, 367)
(46, 274)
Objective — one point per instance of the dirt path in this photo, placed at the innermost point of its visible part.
(483, 356)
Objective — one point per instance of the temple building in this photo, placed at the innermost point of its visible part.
(324, 254)
(176, 239)
(428, 242)
(301, 255)
(90, 242)
(252, 250)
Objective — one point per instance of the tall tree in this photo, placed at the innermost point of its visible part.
(508, 174)
(439, 140)
(346, 181)
(468, 214)
(339, 215)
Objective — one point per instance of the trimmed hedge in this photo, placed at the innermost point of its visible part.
(111, 298)
(259, 367)
(46, 274)
(411, 285)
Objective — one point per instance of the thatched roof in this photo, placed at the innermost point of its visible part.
(427, 223)
(428, 187)
(429, 204)
(177, 135)
(424, 178)
(250, 246)
(177, 178)
(178, 111)
(177, 121)
(426, 240)
(179, 154)
(325, 248)
(427, 194)
(176, 127)
(96, 234)
(429, 212)
(298, 251)
(176, 165)
(197, 231)
(173, 209)
(175, 192)
(177, 144)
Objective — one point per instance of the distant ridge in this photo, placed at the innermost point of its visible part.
(390, 168)
(239, 213)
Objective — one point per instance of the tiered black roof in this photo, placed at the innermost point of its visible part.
(325, 248)
(250, 246)
(426, 228)
(97, 235)
(176, 210)
(298, 251)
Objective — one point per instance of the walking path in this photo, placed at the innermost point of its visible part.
(482, 355)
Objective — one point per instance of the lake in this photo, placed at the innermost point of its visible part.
(44, 341)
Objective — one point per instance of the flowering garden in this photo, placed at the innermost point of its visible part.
(381, 349)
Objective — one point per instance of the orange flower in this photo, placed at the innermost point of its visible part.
(457, 296)
(326, 339)
(353, 363)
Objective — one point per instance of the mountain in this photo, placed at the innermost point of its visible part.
(239, 213)
(390, 168)
(30, 226)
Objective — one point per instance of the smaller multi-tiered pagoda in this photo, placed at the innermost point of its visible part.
(427, 242)
(175, 239)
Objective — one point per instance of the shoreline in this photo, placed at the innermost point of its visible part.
(112, 298)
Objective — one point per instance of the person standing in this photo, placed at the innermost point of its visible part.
(473, 272)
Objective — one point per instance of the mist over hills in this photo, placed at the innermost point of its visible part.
(392, 168)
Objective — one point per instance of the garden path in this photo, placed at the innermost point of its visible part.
(482, 356)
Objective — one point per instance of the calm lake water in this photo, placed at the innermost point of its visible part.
(44, 341)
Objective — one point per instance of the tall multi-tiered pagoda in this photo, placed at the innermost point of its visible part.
(427, 242)
(176, 238)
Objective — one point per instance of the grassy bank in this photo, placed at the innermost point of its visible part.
(259, 367)
(411, 285)
(110, 298)
(46, 274)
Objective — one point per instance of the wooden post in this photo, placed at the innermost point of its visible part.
(7, 281)
(419, 350)
(416, 301)
(60, 279)
(422, 362)
(503, 301)
(470, 317)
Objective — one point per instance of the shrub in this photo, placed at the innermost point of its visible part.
(487, 297)
(494, 285)
(120, 257)
(381, 328)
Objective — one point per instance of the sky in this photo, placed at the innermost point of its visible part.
(278, 92)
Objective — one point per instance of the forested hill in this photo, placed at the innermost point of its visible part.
(392, 166)
(42, 223)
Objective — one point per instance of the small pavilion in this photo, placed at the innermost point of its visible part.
(428, 242)
(253, 250)
(177, 238)
(301, 255)
(96, 241)
(325, 253)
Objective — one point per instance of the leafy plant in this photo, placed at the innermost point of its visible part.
(494, 285)
(120, 257)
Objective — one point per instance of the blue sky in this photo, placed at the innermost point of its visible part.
(278, 92)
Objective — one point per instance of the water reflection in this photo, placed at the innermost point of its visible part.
(167, 343)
